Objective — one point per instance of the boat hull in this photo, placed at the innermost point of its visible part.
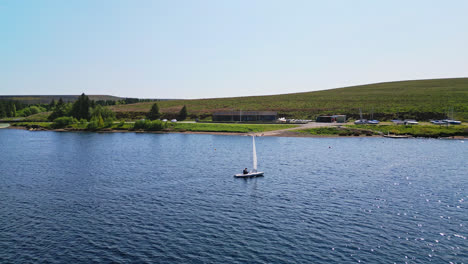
(396, 136)
(249, 175)
(360, 122)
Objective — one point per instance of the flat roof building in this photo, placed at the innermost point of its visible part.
(331, 119)
(245, 116)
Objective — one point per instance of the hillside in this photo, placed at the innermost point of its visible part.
(45, 99)
(420, 99)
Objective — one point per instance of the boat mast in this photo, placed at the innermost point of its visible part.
(254, 155)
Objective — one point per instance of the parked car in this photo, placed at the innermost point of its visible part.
(164, 120)
(174, 120)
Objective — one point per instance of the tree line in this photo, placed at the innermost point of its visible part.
(123, 101)
(82, 111)
(13, 108)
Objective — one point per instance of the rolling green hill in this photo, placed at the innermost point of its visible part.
(419, 99)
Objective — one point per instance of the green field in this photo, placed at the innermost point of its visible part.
(420, 99)
(232, 128)
(41, 117)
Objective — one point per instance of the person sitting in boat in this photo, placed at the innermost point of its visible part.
(245, 171)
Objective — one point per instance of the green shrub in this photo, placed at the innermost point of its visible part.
(155, 125)
(92, 125)
(63, 121)
(60, 110)
(108, 123)
(140, 124)
(122, 126)
(105, 113)
(345, 133)
(96, 123)
(35, 110)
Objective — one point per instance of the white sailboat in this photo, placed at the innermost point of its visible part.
(253, 172)
(361, 121)
(450, 119)
(372, 121)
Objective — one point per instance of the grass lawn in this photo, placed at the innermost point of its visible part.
(40, 117)
(418, 130)
(234, 128)
(195, 127)
(29, 124)
(321, 131)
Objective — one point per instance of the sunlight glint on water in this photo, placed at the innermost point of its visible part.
(69, 197)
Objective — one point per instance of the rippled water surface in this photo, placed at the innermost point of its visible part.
(171, 198)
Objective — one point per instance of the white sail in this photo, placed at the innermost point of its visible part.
(254, 155)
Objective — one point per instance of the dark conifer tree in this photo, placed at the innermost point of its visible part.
(52, 104)
(13, 110)
(2, 111)
(80, 109)
(154, 113)
(183, 113)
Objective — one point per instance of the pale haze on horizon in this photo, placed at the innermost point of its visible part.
(206, 49)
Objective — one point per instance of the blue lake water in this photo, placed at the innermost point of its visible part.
(172, 198)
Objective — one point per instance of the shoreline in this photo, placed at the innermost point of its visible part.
(273, 133)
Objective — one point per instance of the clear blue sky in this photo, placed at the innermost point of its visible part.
(216, 48)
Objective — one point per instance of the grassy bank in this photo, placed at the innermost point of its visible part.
(369, 130)
(171, 127)
(432, 131)
(322, 131)
(45, 125)
(418, 130)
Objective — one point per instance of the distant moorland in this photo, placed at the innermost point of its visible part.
(419, 99)
(46, 99)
